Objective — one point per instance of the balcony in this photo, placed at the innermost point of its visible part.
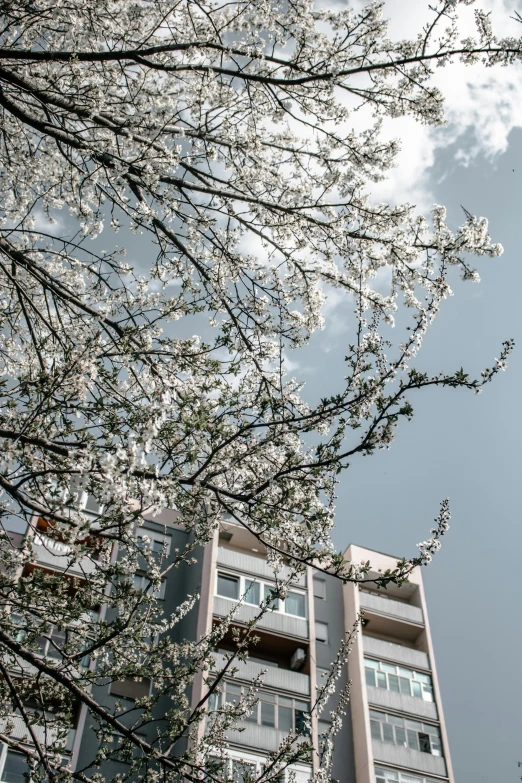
(46, 737)
(249, 564)
(272, 621)
(399, 756)
(279, 679)
(400, 703)
(395, 652)
(56, 555)
(391, 608)
(257, 737)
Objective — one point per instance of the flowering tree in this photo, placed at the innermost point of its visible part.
(220, 133)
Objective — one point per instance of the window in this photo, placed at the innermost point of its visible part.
(154, 542)
(295, 603)
(320, 588)
(385, 775)
(241, 770)
(398, 679)
(321, 632)
(412, 734)
(255, 591)
(142, 583)
(13, 766)
(131, 689)
(273, 709)
(228, 586)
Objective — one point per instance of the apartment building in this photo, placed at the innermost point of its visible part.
(394, 729)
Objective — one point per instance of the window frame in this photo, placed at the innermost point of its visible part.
(325, 625)
(4, 751)
(322, 582)
(423, 728)
(279, 603)
(417, 677)
(401, 777)
(155, 537)
(158, 594)
(273, 698)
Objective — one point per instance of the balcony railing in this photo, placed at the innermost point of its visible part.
(44, 736)
(399, 756)
(248, 564)
(50, 552)
(280, 679)
(395, 652)
(397, 701)
(257, 737)
(271, 621)
(391, 608)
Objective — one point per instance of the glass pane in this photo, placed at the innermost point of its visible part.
(375, 727)
(285, 702)
(395, 719)
(424, 743)
(371, 664)
(405, 686)
(228, 586)
(436, 747)
(423, 678)
(370, 677)
(268, 589)
(285, 719)
(427, 692)
(254, 715)
(381, 680)
(301, 705)
(233, 693)
(387, 667)
(400, 736)
(243, 772)
(300, 718)
(267, 714)
(394, 683)
(376, 715)
(387, 733)
(405, 672)
(295, 604)
(252, 592)
(320, 588)
(16, 769)
(417, 691)
(321, 631)
(413, 742)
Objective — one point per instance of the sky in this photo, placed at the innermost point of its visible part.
(459, 444)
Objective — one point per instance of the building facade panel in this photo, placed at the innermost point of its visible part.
(271, 621)
(250, 564)
(279, 679)
(379, 648)
(414, 760)
(400, 703)
(391, 608)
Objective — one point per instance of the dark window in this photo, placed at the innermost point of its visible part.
(131, 689)
(320, 588)
(375, 729)
(424, 743)
(321, 632)
(16, 769)
(228, 586)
